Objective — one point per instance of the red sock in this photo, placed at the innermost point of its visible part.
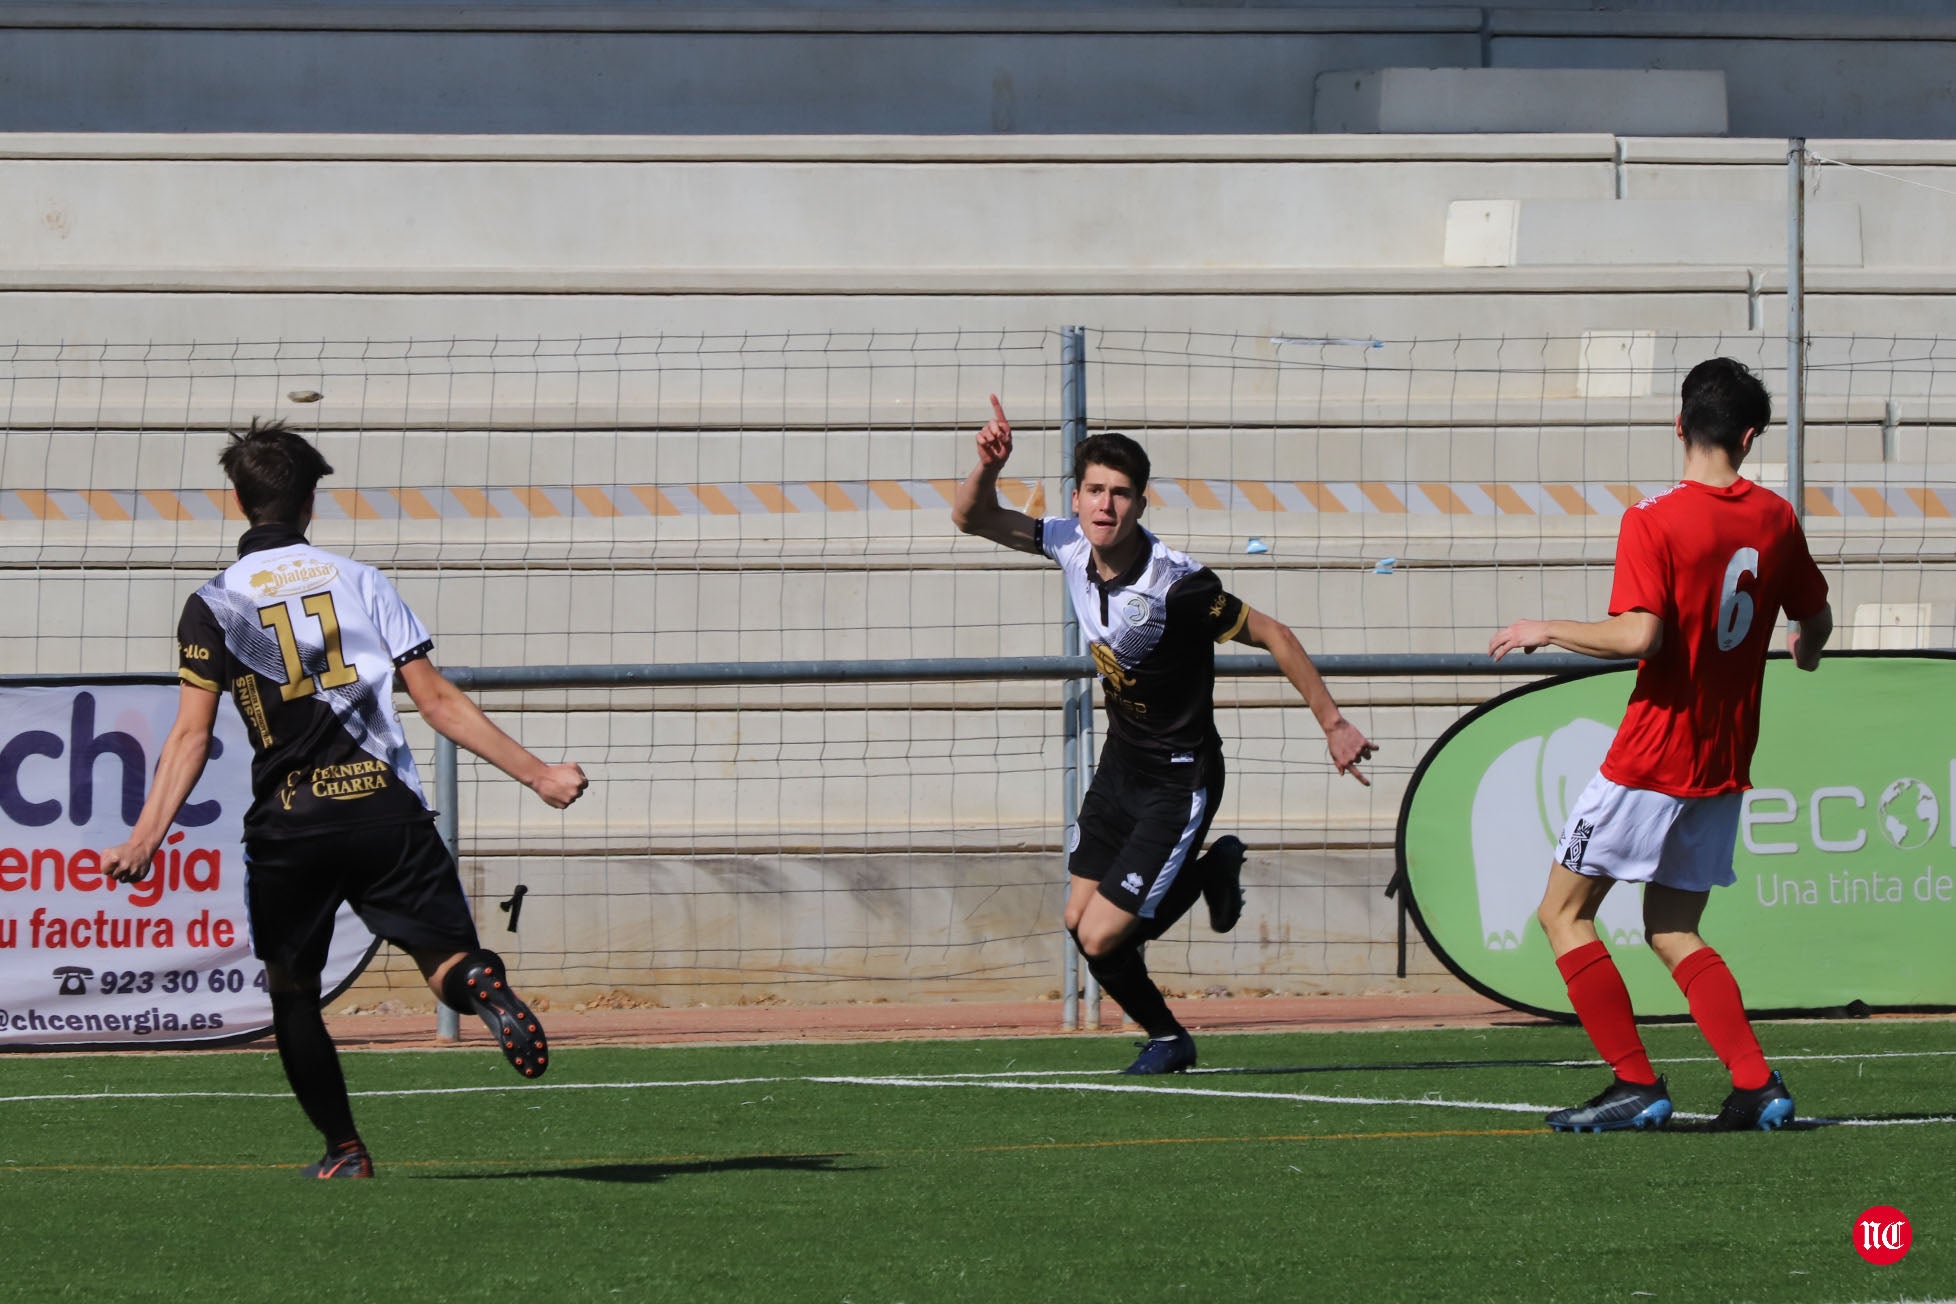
(1713, 995)
(1603, 1004)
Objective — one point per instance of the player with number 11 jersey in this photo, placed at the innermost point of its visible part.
(307, 643)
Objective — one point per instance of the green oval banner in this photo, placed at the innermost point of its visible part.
(1846, 855)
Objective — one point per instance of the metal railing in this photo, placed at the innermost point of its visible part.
(1080, 1005)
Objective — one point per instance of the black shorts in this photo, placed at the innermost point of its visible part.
(1140, 825)
(400, 879)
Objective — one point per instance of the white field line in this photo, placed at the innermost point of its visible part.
(961, 1080)
(1022, 1080)
(1788, 1059)
(1309, 1098)
(404, 1091)
(925, 1078)
(1300, 1097)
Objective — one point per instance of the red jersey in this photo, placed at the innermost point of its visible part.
(1717, 566)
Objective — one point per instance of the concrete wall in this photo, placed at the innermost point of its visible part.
(625, 399)
(1826, 67)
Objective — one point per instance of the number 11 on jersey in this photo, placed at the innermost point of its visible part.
(297, 682)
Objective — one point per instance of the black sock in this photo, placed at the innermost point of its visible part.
(1180, 898)
(1123, 975)
(455, 985)
(312, 1066)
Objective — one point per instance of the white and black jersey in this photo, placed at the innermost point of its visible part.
(1153, 633)
(307, 643)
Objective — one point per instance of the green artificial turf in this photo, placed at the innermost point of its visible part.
(1334, 1168)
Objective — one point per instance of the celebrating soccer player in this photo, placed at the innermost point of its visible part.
(1702, 573)
(308, 644)
(1152, 617)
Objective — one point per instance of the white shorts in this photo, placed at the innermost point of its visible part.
(1635, 835)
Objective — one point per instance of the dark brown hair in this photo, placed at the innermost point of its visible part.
(1114, 451)
(1721, 400)
(274, 469)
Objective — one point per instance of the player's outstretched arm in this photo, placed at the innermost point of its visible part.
(1626, 635)
(448, 710)
(1348, 746)
(976, 510)
(177, 770)
(1808, 638)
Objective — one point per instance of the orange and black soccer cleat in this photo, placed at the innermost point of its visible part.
(341, 1161)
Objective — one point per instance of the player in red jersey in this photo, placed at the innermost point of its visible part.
(1702, 572)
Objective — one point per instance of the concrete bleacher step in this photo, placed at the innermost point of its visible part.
(388, 483)
(1606, 232)
(1625, 101)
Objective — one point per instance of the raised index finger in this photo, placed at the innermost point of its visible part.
(998, 411)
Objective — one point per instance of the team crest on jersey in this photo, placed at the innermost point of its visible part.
(298, 575)
(1578, 844)
(1136, 610)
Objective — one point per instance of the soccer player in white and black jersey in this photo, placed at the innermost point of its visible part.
(309, 644)
(1152, 617)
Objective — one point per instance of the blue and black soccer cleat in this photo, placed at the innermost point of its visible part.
(1222, 886)
(1762, 1109)
(1617, 1108)
(352, 1161)
(513, 1024)
(1174, 1054)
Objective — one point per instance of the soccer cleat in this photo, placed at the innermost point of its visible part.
(341, 1163)
(1223, 887)
(1619, 1106)
(510, 1022)
(1174, 1054)
(1762, 1109)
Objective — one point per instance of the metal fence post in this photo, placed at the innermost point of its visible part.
(1796, 335)
(1073, 695)
(448, 1023)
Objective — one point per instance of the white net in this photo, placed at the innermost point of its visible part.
(786, 497)
(1414, 496)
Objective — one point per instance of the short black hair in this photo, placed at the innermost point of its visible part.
(274, 469)
(1114, 451)
(1721, 400)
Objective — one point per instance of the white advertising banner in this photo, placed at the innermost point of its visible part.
(86, 961)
